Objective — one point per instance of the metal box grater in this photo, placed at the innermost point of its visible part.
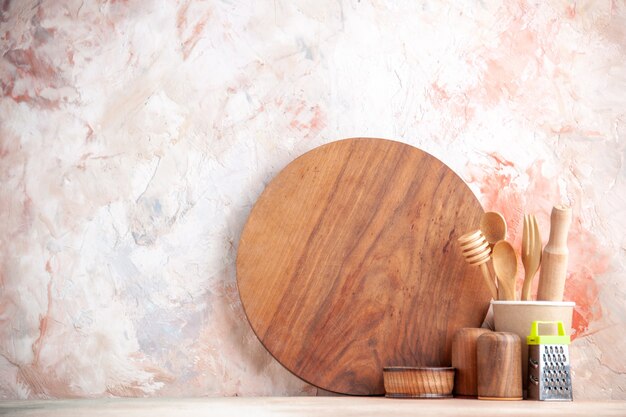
(548, 365)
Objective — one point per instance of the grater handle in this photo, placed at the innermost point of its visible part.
(535, 338)
(534, 327)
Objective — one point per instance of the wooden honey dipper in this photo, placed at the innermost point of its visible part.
(476, 251)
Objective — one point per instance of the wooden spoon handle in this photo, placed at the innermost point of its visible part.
(528, 284)
(507, 289)
(489, 281)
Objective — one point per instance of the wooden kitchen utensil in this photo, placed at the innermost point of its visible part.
(554, 258)
(499, 361)
(475, 249)
(505, 265)
(464, 361)
(493, 227)
(346, 263)
(531, 253)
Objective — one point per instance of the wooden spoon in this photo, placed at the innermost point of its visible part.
(493, 227)
(475, 249)
(505, 265)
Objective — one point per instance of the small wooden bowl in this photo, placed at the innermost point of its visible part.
(418, 382)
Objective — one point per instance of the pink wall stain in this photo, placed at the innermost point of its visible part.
(190, 33)
(28, 64)
(522, 58)
(570, 11)
(588, 259)
(306, 119)
(29, 60)
(458, 104)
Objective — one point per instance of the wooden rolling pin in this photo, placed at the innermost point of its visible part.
(554, 258)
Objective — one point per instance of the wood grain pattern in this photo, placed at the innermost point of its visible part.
(499, 361)
(464, 361)
(347, 263)
(410, 382)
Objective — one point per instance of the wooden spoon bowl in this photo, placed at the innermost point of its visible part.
(493, 227)
(505, 265)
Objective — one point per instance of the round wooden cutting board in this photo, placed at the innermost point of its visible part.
(349, 263)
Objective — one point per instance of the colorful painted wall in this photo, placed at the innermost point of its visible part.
(136, 135)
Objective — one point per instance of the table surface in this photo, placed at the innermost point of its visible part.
(305, 406)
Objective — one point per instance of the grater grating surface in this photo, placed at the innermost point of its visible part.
(549, 373)
(549, 370)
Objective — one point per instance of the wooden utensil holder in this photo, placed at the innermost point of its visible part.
(499, 362)
(464, 360)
